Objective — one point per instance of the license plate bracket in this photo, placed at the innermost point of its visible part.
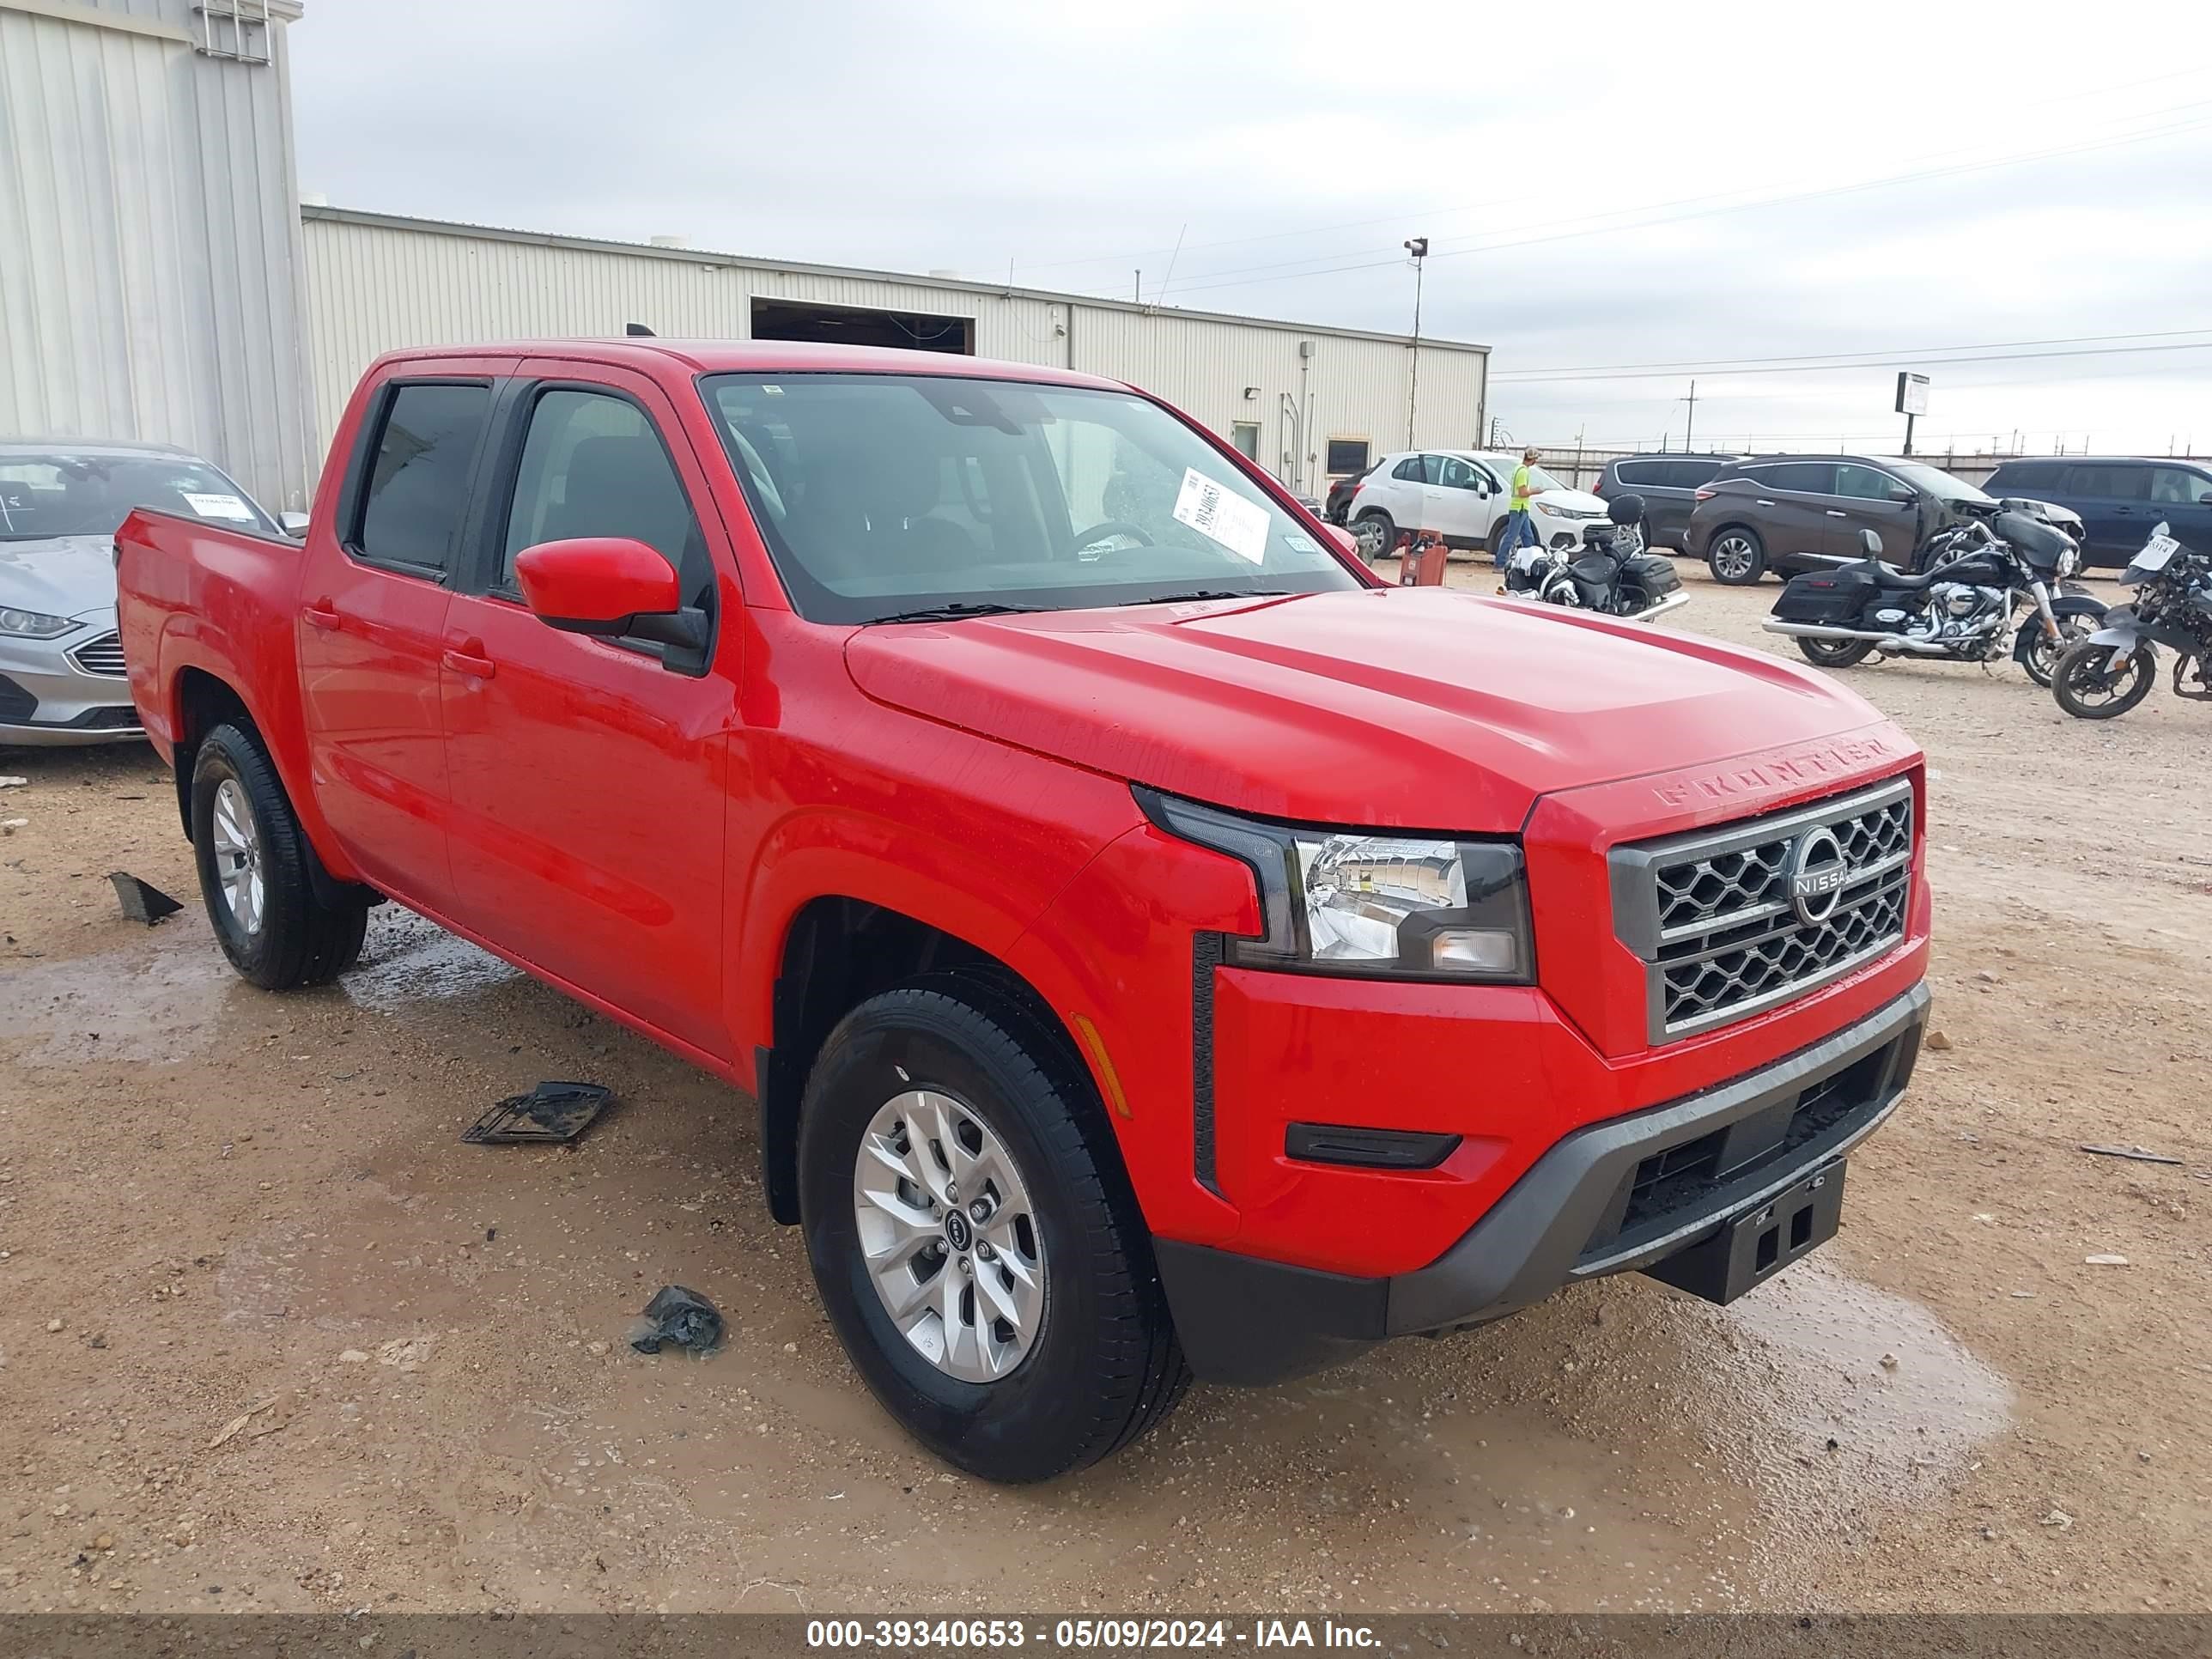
(1754, 1245)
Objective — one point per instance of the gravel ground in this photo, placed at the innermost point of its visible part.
(217, 1205)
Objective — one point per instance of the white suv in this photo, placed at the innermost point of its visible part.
(1463, 495)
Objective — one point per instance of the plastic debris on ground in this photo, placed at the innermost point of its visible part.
(141, 900)
(682, 1319)
(550, 1112)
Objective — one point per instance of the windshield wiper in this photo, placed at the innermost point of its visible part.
(951, 612)
(1198, 593)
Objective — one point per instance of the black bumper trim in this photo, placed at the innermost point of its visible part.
(1244, 1320)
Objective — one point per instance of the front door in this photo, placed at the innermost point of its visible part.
(1865, 499)
(1791, 501)
(2182, 497)
(2114, 502)
(373, 603)
(1458, 503)
(589, 779)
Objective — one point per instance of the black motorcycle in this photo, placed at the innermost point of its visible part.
(1966, 603)
(2112, 671)
(1610, 574)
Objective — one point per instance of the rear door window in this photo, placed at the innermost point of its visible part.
(1688, 475)
(417, 484)
(1641, 472)
(2117, 483)
(1799, 477)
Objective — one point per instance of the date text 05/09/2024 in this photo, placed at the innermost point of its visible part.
(894, 1635)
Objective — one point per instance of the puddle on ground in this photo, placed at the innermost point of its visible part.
(156, 1004)
(408, 959)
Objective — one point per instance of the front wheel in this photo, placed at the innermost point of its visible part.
(2042, 656)
(1736, 557)
(1376, 536)
(977, 1246)
(1834, 653)
(254, 871)
(2088, 687)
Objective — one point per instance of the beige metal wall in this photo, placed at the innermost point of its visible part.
(150, 239)
(378, 283)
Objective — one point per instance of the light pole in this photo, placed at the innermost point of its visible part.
(1417, 247)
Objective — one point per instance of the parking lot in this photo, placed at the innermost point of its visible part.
(218, 1203)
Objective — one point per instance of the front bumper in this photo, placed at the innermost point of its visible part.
(48, 695)
(1615, 1196)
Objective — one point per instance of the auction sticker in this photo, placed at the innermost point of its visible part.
(1223, 516)
(219, 507)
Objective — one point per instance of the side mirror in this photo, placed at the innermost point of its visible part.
(1344, 538)
(1901, 494)
(295, 524)
(2205, 500)
(601, 585)
(1871, 543)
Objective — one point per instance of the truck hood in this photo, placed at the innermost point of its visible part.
(1396, 708)
(61, 576)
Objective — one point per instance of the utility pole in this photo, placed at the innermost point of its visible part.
(1140, 285)
(1690, 426)
(1418, 246)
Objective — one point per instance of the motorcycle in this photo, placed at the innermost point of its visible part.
(1610, 574)
(2112, 671)
(1964, 604)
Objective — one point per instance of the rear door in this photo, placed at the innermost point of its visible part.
(2112, 498)
(374, 598)
(589, 775)
(1864, 499)
(1789, 502)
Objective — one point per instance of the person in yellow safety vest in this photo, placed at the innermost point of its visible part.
(1518, 529)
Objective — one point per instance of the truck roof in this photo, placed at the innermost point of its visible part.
(772, 356)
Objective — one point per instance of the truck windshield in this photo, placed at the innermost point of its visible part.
(63, 494)
(884, 494)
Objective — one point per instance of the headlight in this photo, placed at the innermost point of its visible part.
(1344, 902)
(1576, 513)
(33, 625)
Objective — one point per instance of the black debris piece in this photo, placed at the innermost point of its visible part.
(141, 900)
(550, 1112)
(682, 1318)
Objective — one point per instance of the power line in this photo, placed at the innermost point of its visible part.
(1822, 368)
(1899, 353)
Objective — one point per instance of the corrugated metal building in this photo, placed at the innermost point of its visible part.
(1303, 401)
(149, 238)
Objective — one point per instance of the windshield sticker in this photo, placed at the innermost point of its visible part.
(1298, 544)
(219, 507)
(1223, 517)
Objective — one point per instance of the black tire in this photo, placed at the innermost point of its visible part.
(1104, 1365)
(1835, 653)
(1735, 556)
(1378, 526)
(294, 938)
(2041, 657)
(2083, 673)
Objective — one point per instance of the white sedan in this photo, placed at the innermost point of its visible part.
(1463, 495)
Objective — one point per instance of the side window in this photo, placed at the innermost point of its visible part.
(1457, 474)
(2023, 476)
(417, 486)
(594, 466)
(1409, 470)
(1802, 477)
(1863, 482)
(2119, 484)
(1690, 475)
(1639, 472)
(2171, 487)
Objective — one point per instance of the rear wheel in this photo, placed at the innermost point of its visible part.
(1835, 653)
(254, 871)
(1736, 556)
(1375, 535)
(976, 1244)
(2088, 687)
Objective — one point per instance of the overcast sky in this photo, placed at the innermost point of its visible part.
(1604, 185)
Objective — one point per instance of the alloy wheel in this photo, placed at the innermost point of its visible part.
(946, 1227)
(1733, 557)
(238, 856)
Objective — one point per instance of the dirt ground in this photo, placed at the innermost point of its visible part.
(228, 1213)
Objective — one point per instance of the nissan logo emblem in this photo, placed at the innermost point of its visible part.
(1817, 875)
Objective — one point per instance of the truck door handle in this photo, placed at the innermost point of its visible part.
(323, 617)
(464, 662)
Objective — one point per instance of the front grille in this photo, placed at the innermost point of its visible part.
(1714, 916)
(101, 656)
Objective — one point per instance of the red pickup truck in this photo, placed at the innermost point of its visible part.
(1154, 946)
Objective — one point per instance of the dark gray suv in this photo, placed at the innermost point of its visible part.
(1785, 514)
(1669, 485)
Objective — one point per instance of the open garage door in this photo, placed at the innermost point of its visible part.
(915, 331)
